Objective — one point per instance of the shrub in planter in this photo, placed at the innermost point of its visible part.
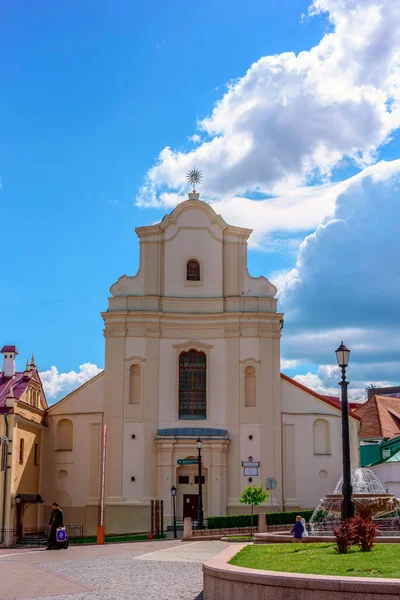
(345, 536)
(365, 532)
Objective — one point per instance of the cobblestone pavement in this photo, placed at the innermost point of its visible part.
(144, 570)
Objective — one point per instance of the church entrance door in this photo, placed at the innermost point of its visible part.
(191, 506)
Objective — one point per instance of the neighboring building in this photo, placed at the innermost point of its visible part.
(22, 411)
(192, 349)
(380, 438)
(380, 416)
(393, 391)
(383, 457)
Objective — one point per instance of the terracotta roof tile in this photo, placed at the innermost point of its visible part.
(380, 417)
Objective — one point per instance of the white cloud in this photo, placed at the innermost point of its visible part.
(346, 285)
(56, 384)
(294, 117)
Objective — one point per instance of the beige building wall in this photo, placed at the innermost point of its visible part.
(25, 432)
(311, 470)
(72, 460)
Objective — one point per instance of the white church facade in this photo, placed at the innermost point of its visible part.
(192, 350)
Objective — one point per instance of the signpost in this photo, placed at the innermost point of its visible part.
(187, 461)
(270, 484)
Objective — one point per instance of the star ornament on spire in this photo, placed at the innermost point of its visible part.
(194, 176)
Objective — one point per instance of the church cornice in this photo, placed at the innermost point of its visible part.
(171, 219)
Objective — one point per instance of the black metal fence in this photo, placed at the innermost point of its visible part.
(37, 537)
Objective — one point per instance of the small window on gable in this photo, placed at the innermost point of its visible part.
(193, 270)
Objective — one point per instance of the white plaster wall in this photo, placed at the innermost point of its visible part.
(88, 398)
(75, 462)
(188, 244)
(169, 386)
(135, 346)
(131, 466)
(295, 400)
(249, 348)
(389, 474)
(250, 448)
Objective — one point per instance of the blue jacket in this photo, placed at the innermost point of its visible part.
(298, 530)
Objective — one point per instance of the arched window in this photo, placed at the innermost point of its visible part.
(249, 386)
(321, 436)
(134, 384)
(192, 385)
(64, 434)
(193, 270)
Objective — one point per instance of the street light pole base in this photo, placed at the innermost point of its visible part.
(347, 509)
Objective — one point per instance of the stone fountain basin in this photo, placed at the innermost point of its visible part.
(366, 505)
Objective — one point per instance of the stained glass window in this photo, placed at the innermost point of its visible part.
(192, 385)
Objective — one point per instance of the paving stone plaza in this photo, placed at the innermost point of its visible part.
(143, 570)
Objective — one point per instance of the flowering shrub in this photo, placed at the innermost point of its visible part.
(345, 536)
(365, 532)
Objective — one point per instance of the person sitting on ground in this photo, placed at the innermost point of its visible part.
(56, 521)
(298, 530)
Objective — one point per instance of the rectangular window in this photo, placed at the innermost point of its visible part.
(21, 451)
(36, 455)
(192, 385)
(203, 479)
(183, 479)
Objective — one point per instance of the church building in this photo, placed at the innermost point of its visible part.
(192, 350)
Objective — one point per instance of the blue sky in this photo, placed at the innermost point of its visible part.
(93, 94)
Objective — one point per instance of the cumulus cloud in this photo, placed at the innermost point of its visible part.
(346, 284)
(292, 118)
(56, 384)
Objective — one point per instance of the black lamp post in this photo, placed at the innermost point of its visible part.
(173, 494)
(200, 509)
(343, 355)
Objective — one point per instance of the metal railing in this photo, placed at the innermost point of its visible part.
(32, 537)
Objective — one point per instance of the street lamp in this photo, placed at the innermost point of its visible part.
(343, 355)
(173, 494)
(200, 508)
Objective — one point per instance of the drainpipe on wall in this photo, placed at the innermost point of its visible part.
(3, 514)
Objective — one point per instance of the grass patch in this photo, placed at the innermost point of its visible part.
(321, 559)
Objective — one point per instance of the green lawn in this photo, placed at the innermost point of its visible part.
(382, 561)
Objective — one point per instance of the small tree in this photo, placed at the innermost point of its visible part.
(254, 496)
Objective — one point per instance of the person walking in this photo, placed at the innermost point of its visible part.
(56, 521)
(298, 530)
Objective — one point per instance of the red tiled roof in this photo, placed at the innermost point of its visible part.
(380, 416)
(331, 400)
(19, 385)
(9, 349)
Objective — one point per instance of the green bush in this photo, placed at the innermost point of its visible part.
(287, 518)
(275, 518)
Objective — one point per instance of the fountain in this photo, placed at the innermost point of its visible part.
(370, 500)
